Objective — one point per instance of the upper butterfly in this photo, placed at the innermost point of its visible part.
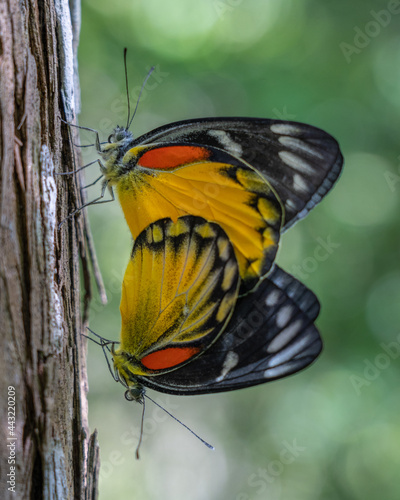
(253, 177)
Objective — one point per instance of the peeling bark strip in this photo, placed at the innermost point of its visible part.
(46, 451)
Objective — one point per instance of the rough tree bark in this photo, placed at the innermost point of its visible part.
(47, 451)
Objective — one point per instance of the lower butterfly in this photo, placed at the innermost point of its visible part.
(185, 330)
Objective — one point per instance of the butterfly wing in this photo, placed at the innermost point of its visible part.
(300, 161)
(270, 335)
(170, 180)
(178, 293)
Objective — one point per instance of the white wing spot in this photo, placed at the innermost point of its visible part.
(285, 129)
(295, 162)
(225, 140)
(299, 183)
(231, 360)
(272, 298)
(276, 372)
(299, 145)
(283, 316)
(289, 353)
(290, 203)
(285, 336)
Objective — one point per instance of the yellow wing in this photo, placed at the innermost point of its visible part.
(178, 293)
(202, 183)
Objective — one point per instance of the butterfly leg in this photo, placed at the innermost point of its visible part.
(96, 201)
(93, 183)
(104, 343)
(77, 170)
(97, 142)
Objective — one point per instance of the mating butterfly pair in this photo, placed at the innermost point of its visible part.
(204, 308)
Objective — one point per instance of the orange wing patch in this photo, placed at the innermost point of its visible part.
(173, 156)
(169, 357)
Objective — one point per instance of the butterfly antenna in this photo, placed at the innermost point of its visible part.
(141, 431)
(140, 94)
(127, 89)
(186, 427)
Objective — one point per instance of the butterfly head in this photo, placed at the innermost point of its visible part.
(135, 393)
(112, 153)
(118, 143)
(124, 367)
(120, 135)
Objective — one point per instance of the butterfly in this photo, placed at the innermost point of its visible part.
(253, 177)
(186, 330)
(204, 306)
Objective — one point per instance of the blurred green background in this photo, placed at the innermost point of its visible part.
(335, 65)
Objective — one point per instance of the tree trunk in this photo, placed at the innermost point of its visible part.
(46, 450)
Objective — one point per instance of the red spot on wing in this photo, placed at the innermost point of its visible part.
(173, 156)
(167, 358)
